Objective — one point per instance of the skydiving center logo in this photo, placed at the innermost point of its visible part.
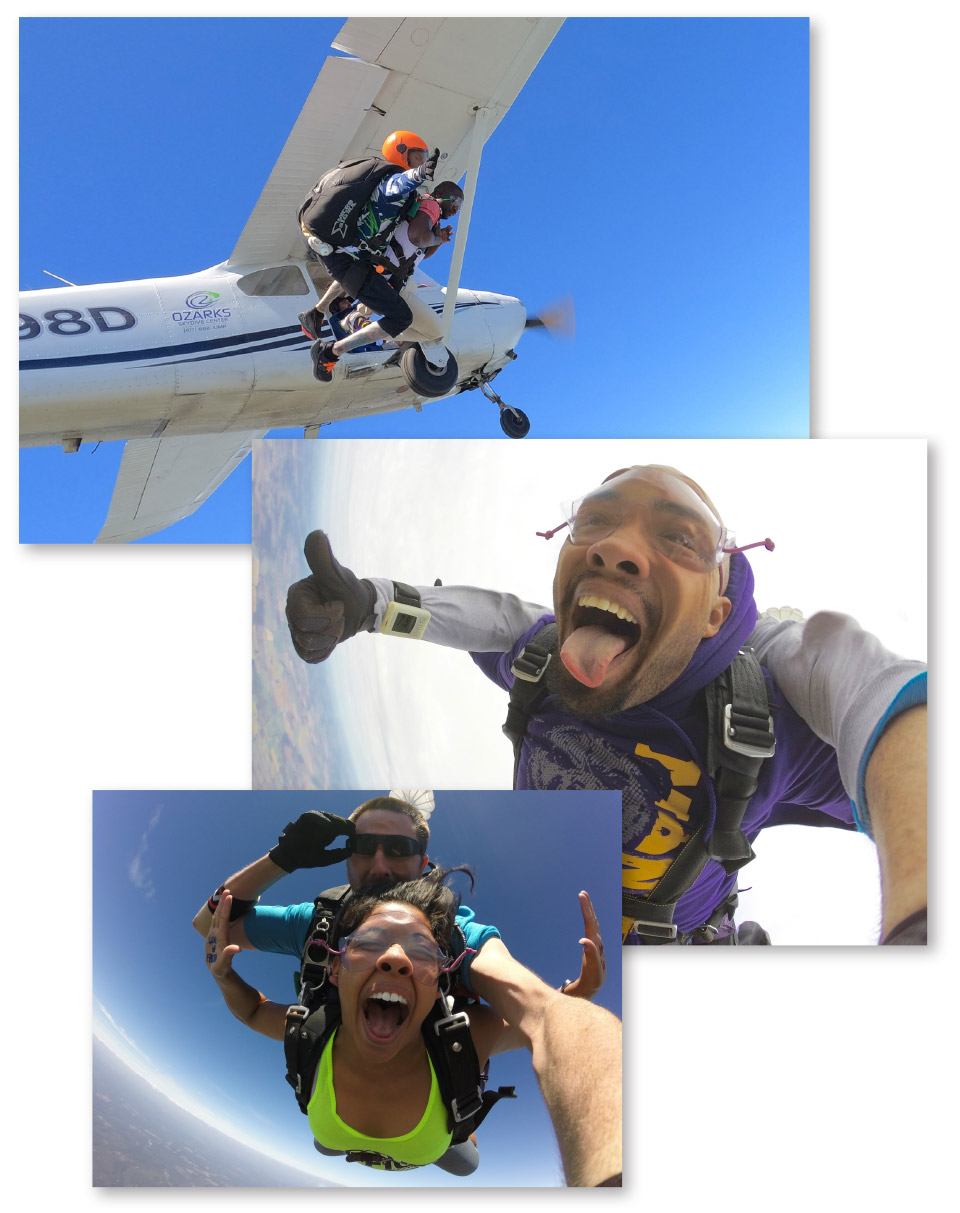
(199, 305)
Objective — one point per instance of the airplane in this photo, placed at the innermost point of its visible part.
(190, 370)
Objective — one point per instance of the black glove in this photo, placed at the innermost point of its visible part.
(430, 165)
(304, 842)
(329, 606)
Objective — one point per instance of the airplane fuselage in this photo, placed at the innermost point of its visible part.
(214, 352)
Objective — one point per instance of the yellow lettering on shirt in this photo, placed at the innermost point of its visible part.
(666, 835)
(683, 774)
(639, 872)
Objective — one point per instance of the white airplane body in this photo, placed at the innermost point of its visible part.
(189, 370)
(196, 355)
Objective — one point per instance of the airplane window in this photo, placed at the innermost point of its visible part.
(282, 280)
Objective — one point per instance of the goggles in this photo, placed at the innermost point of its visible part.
(395, 846)
(677, 522)
(361, 951)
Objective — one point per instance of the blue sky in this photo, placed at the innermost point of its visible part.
(158, 855)
(658, 169)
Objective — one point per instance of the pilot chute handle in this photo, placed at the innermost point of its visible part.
(329, 606)
(304, 843)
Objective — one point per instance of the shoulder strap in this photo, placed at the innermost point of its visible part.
(305, 1034)
(739, 738)
(315, 958)
(446, 1034)
(528, 691)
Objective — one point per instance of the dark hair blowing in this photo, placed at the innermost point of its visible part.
(430, 894)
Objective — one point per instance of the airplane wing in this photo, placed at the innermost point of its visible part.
(423, 74)
(162, 480)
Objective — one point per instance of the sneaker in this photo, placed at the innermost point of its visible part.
(324, 360)
(310, 323)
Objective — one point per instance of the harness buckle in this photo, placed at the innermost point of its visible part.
(453, 1021)
(765, 750)
(473, 1105)
(657, 930)
(530, 666)
(296, 1012)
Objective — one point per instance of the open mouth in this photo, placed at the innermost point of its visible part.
(384, 1014)
(602, 630)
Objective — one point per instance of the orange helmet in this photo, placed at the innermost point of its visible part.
(397, 144)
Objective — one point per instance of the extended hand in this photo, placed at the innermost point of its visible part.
(446, 234)
(218, 952)
(430, 167)
(593, 966)
(304, 842)
(331, 605)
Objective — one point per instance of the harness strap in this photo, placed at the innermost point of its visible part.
(740, 737)
(304, 1036)
(315, 958)
(451, 1049)
(527, 692)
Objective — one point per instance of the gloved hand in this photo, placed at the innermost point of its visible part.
(329, 606)
(304, 842)
(429, 166)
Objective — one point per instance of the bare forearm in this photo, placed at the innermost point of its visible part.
(896, 788)
(514, 991)
(578, 1061)
(251, 1007)
(245, 885)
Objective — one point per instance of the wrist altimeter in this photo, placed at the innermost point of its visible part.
(404, 616)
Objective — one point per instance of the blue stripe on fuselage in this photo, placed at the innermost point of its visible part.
(231, 346)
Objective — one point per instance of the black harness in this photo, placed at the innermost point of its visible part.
(446, 1034)
(740, 737)
(333, 209)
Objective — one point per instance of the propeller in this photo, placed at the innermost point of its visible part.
(557, 318)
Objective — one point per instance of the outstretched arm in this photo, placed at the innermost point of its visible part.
(247, 885)
(896, 786)
(304, 843)
(576, 1051)
(246, 1004)
(870, 705)
(332, 604)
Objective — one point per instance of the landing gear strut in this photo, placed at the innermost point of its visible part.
(513, 422)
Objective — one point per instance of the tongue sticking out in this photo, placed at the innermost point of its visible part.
(588, 651)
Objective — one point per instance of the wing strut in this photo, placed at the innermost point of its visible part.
(477, 140)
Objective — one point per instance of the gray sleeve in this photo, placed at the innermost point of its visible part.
(466, 616)
(842, 682)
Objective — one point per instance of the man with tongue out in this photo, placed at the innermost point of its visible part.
(653, 601)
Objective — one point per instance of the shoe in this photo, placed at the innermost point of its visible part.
(324, 360)
(310, 323)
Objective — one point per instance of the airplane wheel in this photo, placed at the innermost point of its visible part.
(514, 423)
(424, 378)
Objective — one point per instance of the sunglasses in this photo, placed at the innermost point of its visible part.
(395, 846)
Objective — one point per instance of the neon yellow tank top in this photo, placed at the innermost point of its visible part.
(423, 1144)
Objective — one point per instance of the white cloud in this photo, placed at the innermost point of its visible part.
(138, 871)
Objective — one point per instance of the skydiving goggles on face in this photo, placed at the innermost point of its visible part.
(395, 846)
(679, 524)
(361, 951)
